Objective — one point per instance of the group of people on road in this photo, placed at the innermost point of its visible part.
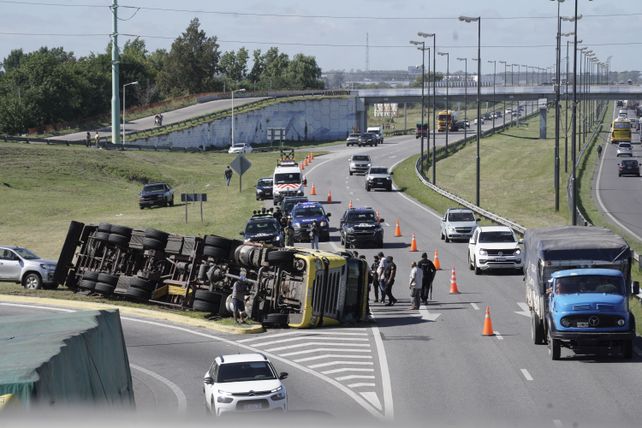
(383, 273)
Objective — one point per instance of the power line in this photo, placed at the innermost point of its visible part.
(41, 3)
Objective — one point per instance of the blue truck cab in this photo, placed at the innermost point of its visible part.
(588, 309)
(303, 215)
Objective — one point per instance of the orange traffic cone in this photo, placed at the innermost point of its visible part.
(435, 260)
(488, 324)
(453, 282)
(413, 244)
(350, 204)
(313, 190)
(330, 196)
(397, 229)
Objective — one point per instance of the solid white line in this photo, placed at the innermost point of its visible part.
(371, 396)
(526, 374)
(498, 335)
(474, 305)
(301, 345)
(336, 363)
(310, 351)
(180, 396)
(321, 357)
(350, 377)
(298, 333)
(385, 375)
(347, 369)
(315, 337)
(361, 384)
(46, 308)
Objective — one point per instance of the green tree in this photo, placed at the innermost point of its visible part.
(258, 66)
(191, 64)
(303, 73)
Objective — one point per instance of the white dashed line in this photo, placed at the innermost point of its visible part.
(346, 369)
(337, 363)
(361, 384)
(320, 357)
(350, 377)
(474, 305)
(527, 375)
(498, 335)
(310, 351)
(302, 345)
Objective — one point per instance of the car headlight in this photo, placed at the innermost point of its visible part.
(565, 322)
(47, 267)
(349, 229)
(368, 165)
(620, 322)
(483, 252)
(450, 229)
(323, 224)
(299, 192)
(224, 397)
(518, 252)
(278, 238)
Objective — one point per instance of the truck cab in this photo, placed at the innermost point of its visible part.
(588, 311)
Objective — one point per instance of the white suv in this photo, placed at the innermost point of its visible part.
(494, 247)
(244, 383)
(458, 223)
(18, 264)
(359, 164)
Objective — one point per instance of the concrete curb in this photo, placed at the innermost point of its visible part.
(133, 312)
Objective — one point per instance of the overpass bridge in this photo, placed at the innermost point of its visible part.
(515, 93)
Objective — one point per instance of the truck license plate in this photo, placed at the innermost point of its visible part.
(582, 324)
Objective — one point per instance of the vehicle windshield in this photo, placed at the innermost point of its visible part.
(308, 212)
(360, 158)
(268, 226)
(26, 254)
(625, 146)
(287, 178)
(361, 217)
(443, 117)
(265, 182)
(489, 237)
(354, 136)
(583, 284)
(461, 216)
(289, 204)
(243, 372)
(622, 125)
(378, 170)
(154, 188)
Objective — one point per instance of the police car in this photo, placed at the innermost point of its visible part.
(263, 227)
(303, 215)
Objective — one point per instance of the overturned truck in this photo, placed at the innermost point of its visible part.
(296, 287)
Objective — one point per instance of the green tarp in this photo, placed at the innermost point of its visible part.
(68, 358)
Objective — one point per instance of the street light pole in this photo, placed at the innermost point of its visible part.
(434, 104)
(237, 90)
(494, 62)
(447, 55)
(477, 160)
(423, 104)
(465, 96)
(505, 83)
(558, 40)
(124, 122)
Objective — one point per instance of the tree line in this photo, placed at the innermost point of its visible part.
(51, 86)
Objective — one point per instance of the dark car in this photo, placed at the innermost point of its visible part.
(369, 139)
(263, 227)
(289, 202)
(159, 194)
(628, 167)
(303, 214)
(264, 189)
(360, 227)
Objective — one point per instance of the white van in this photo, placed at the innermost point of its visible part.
(287, 180)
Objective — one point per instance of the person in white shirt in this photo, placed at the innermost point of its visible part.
(416, 279)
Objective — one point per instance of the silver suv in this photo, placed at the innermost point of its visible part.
(458, 223)
(378, 177)
(359, 164)
(23, 266)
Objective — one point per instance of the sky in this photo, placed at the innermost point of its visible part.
(334, 31)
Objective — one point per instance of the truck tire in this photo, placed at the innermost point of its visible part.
(118, 240)
(86, 284)
(104, 289)
(91, 275)
(104, 227)
(142, 284)
(203, 306)
(537, 329)
(153, 244)
(107, 278)
(138, 294)
(158, 235)
(280, 257)
(208, 296)
(554, 348)
(101, 236)
(275, 320)
(215, 252)
(121, 230)
(217, 241)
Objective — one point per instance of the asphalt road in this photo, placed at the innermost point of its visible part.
(619, 198)
(168, 117)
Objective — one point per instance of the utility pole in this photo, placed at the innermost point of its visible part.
(115, 82)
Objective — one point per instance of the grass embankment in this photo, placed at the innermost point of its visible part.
(517, 181)
(43, 187)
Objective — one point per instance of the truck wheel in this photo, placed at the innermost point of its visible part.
(218, 242)
(104, 289)
(215, 252)
(203, 306)
(121, 230)
(107, 278)
(138, 294)
(104, 227)
(283, 258)
(32, 281)
(90, 275)
(118, 240)
(275, 320)
(208, 296)
(142, 284)
(153, 244)
(537, 329)
(86, 284)
(101, 236)
(554, 348)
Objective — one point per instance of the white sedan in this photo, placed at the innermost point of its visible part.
(240, 148)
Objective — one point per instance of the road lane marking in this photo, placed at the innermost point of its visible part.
(350, 377)
(372, 398)
(423, 311)
(321, 357)
(295, 339)
(301, 335)
(301, 345)
(498, 335)
(361, 385)
(336, 363)
(309, 351)
(412, 201)
(180, 395)
(474, 305)
(525, 310)
(386, 385)
(527, 375)
(46, 308)
(347, 369)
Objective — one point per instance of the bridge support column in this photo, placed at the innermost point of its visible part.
(542, 120)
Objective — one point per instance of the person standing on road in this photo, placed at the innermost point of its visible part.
(428, 274)
(289, 235)
(383, 263)
(240, 289)
(389, 274)
(375, 278)
(277, 214)
(228, 175)
(416, 275)
(314, 235)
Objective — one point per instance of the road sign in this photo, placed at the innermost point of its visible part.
(193, 197)
(276, 134)
(240, 164)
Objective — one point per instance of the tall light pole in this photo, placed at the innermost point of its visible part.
(566, 106)
(434, 104)
(494, 62)
(478, 20)
(512, 72)
(422, 48)
(237, 90)
(465, 96)
(556, 161)
(124, 122)
(447, 55)
(115, 79)
(505, 83)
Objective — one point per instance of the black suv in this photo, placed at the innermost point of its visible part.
(359, 227)
(369, 139)
(263, 227)
(156, 194)
(264, 189)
